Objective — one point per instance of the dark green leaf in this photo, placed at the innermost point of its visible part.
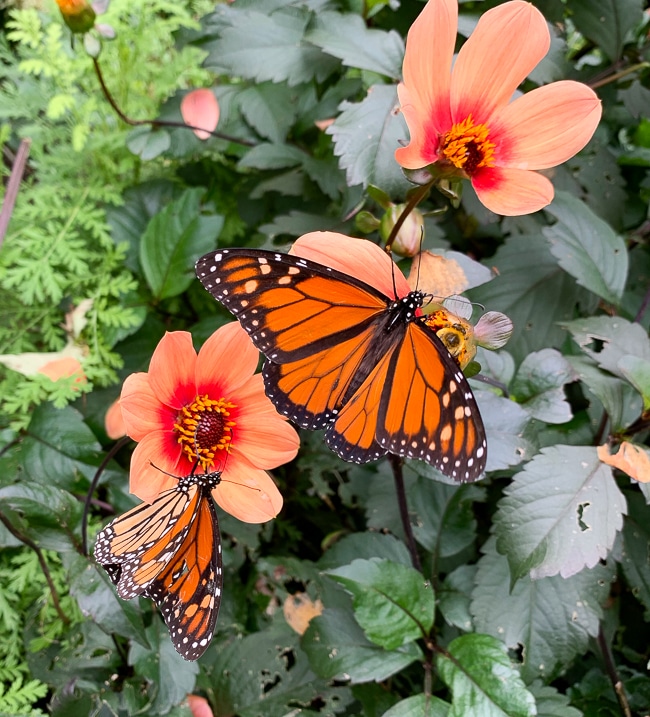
(419, 706)
(148, 143)
(454, 597)
(551, 703)
(539, 385)
(587, 248)
(365, 546)
(173, 676)
(636, 548)
(560, 514)
(607, 23)
(267, 108)
(366, 135)
(174, 239)
(392, 602)
(337, 648)
(348, 38)
(272, 156)
(483, 681)
(552, 619)
(505, 422)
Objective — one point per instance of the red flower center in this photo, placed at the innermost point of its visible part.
(204, 428)
(467, 147)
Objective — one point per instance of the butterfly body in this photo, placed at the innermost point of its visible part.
(348, 358)
(170, 551)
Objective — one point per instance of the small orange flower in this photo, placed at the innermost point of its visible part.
(66, 367)
(113, 421)
(200, 109)
(78, 15)
(461, 121)
(208, 408)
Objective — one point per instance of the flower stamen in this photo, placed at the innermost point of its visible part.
(204, 428)
(467, 147)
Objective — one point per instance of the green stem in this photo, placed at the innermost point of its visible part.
(415, 198)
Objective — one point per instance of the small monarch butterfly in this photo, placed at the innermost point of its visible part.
(170, 551)
(345, 357)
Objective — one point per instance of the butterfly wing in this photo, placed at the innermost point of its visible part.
(315, 324)
(135, 547)
(188, 589)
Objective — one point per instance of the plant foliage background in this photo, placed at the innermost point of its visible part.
(536, 585)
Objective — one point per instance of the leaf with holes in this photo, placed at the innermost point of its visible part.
(559, 515)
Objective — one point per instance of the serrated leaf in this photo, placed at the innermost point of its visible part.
(392, 602)
(346, 36)
(267, 46)
(483, 681)
(636, 548)
(505, 423)
(533, 291)
(454, 597)
(552, 619)
(551, 703)
(419, 706)
(272, 156)
(444, 520)
(148, 143)
(637, 372)
(539, 384)
(365, 545)
(607, 23)
(366, 135)
(337, 648)
(560, 514)
(268, 109)
(587, 248)
(172, 242)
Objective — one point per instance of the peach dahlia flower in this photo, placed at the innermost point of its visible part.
(462, 120)
(208, 407)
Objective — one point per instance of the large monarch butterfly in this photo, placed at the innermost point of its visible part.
(345, 357)
(170, 551)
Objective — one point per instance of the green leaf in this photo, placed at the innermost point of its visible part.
(587, 248)
(97, 598)
(533, 291)
(272, 156)
(174, 239)
(444, 521)
(419, 706)
(346, 36)
(337, 648)
(454, 597)
(551, 703)
(552, 619)
(560, 514)
(365, 546)
(539, 385)
(366, 135)
(173, 676)
(483, 681)
(637, 372)
(264, 46)
(269, 109)
(392, 602)
(636, 548)
(148, 143)
(607, 23)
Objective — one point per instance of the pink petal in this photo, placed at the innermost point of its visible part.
(507, 43)
(147, 481)
(247, 493)
(200, 108)
(142, 412)
(427, 63)
(356, 257)
(199, 706)
(172, 369)
(547, 126)
(114, 422)
(512, 192)
(423, 146)
(226, 361)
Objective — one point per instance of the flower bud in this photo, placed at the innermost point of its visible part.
(409, 237)
(78, 15)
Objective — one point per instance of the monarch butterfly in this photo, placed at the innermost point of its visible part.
(344, 356)
(170, 551)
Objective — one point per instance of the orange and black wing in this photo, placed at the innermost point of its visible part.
(135, 547)
(188, 589)
(317, 326)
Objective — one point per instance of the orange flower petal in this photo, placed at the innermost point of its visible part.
(512, 192)
(199, 706)
(427, 62)
(172, 369)
(113, 421)
(247, 493)
(507, 43)
(547, 126)
(147, 481)
(422, 148)
(65, 367)
(226, 361)
(142, 411)
(356, 257)
(200, 108)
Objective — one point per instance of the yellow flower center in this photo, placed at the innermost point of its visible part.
(204, 428)
(467, 146)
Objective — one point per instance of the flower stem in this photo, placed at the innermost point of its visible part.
(610, 667)
(396, 464)
(415, 198)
